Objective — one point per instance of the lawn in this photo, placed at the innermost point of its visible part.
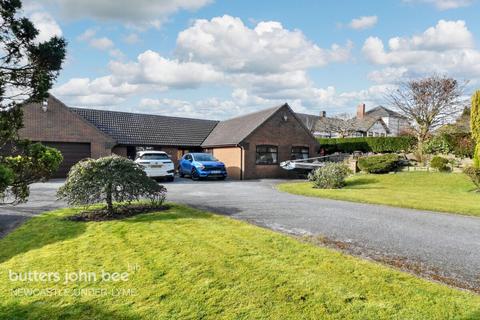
(446, 192)
(184, 263)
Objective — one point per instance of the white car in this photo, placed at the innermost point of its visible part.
(157, 164)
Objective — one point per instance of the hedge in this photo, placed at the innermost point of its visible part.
(384, 163)
(367, 144)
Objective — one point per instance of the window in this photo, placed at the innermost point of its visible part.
(204, 157)
(155, 156)
(299, 153)
(267, 155)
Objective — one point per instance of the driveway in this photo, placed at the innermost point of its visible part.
(42, 198)
(440, 246)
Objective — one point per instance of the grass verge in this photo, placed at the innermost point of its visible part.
(185, 263)
(445, 192)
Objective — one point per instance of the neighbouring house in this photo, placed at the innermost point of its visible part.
(395, 122)
(377, 122)
(252, 146)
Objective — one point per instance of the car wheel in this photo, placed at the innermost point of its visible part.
(195, 175)
(180, 172)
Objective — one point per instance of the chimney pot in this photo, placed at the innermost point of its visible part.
(361, 111)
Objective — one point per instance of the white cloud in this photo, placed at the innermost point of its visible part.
(101, 43)
(445, 4)
(212, 108)
(131, 38)
(446, 48)
(140, 13)
(264, 65)
(152, 68)
(97, 92)
(87, 34)
(46, 25)
(363, 22)
(388, 75)
(227, 43)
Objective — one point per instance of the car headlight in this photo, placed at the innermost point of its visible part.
(200, 166)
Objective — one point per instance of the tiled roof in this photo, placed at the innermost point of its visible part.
(235, 130)
(362, 125)
(381, 111)
(145, 129)
(327, 124)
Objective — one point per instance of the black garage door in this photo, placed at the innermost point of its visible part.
(72, 152)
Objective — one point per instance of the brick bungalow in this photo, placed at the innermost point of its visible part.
(251, 146)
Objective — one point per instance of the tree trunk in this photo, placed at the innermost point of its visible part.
(422, 137)
(109, 199)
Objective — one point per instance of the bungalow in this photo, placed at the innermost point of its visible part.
(252, 146)
(377, 122)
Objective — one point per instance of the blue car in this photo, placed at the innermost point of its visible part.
(201, 165)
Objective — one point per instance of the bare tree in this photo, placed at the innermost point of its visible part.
(428, 103)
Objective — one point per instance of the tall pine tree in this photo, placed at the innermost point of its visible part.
(28, 69)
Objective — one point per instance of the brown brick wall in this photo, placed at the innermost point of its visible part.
(174, 153)
(120, 151)
(284, 135)
(58, 124)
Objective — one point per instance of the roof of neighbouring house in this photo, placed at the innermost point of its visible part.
(235, 130)
(362, 125)
(381, 111)
(327, 124)
(146, 129)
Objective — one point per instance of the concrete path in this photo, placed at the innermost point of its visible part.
(441, 246)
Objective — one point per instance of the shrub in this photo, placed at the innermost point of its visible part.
(378, 164)
(330, 176)
(439, 163)
(464, 146)
(459, 143)
(6, 178)
(368, 144)
(474, 174)
(109, 179)
(34, 162)
(437, 145)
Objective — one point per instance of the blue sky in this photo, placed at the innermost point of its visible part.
(218, 59)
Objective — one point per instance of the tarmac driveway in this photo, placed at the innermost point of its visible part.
(440, 246)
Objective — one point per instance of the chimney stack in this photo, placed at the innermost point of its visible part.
(323, 114)
(361, 111)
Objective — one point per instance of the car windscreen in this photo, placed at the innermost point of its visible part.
(154, 156)
(204, 157)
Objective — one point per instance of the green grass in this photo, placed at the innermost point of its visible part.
(446, 192)
(196, 265)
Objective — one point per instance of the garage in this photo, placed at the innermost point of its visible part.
(72, 153)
